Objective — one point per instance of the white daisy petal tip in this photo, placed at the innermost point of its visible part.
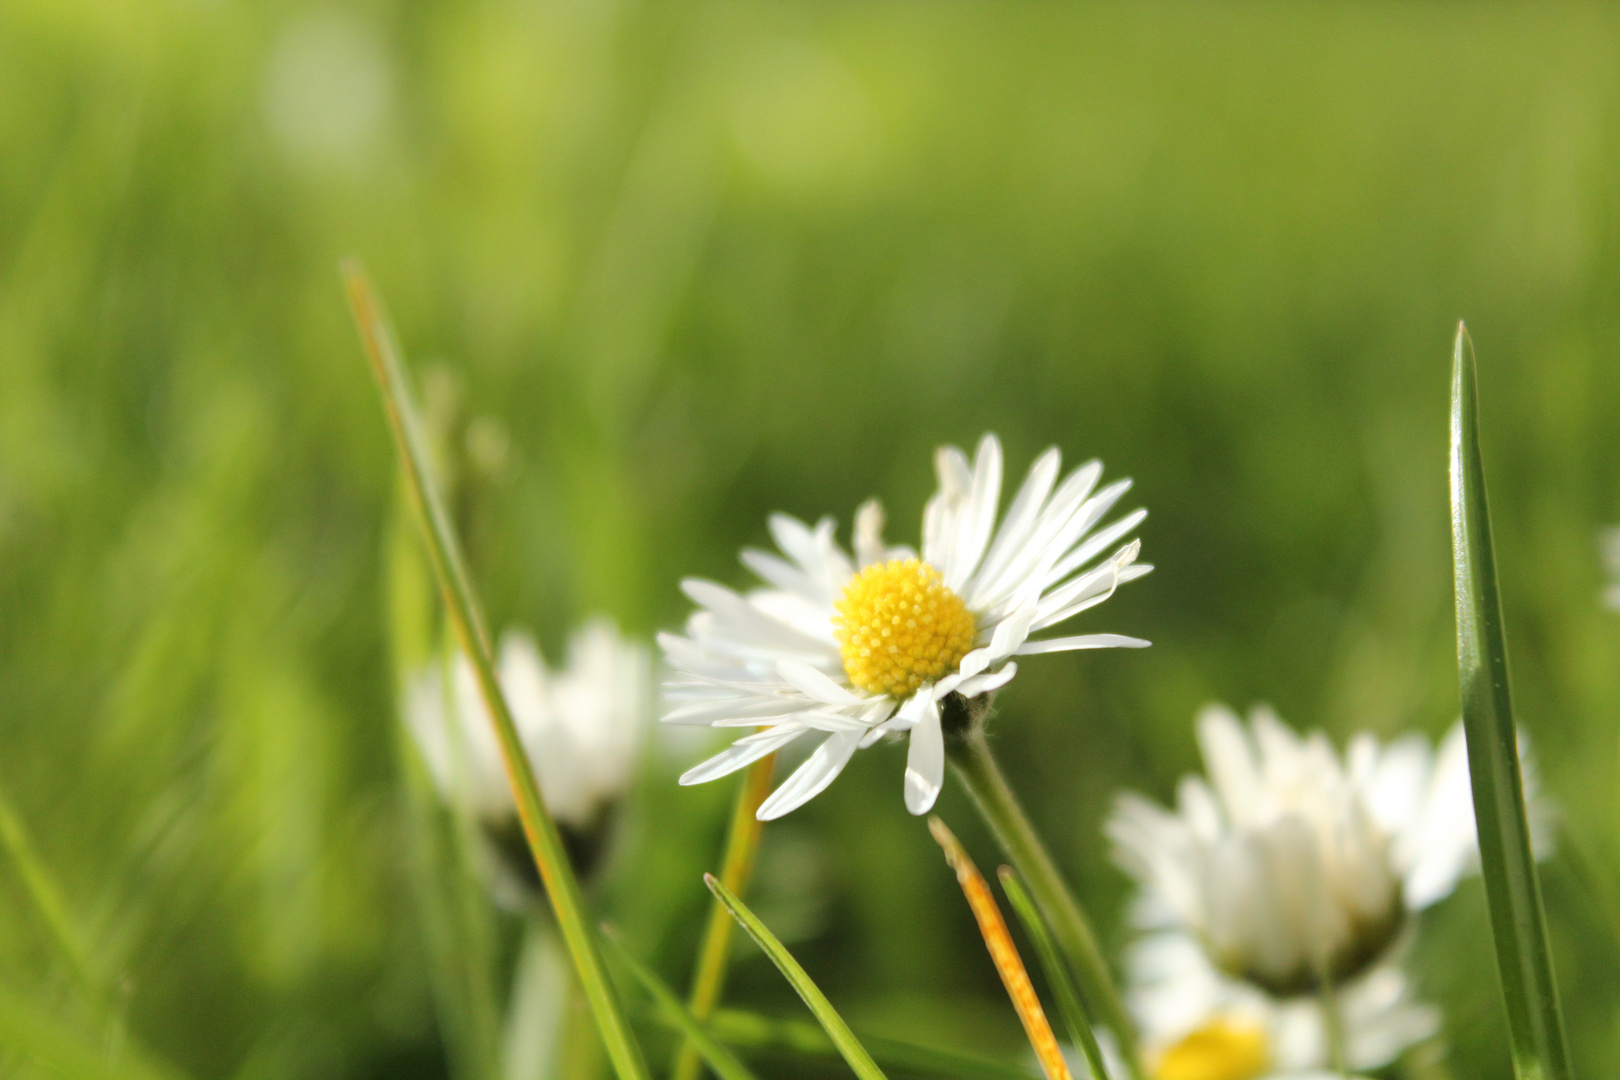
(925, 761)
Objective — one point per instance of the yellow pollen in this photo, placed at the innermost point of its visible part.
(1220, 1050)
(898, 627)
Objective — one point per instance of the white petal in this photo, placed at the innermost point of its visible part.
(1081, 641)
(990, 680)
(1021, 562)
(795, 538)
(977, 518)
(1096, 544)
(744, 751)
(811, 778)
(783, 574)
(869, 533)
(925, 761)
(808, 680)
(1020, 520)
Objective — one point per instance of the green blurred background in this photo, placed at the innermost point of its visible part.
(695, 263)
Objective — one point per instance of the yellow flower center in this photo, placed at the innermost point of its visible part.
(898, 627)
(1220, 1050)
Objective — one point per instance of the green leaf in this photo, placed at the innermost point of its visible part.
(467, 617)
(1081, 1027)
(843, 1038)
(721, 1060)
(1512, 888)
(753, 1031)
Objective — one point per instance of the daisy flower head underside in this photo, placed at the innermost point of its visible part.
(582, 725)
(1290, 865)
(853, 646)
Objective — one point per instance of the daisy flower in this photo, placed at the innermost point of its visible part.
(582, 726)
(853, 646)
(1197, 1023)
(1291, 864)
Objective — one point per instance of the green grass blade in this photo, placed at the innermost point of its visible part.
(29, 1031)
(467, 617)
(721, 1060)
(1081, 1028)
(742, 844)
(751, 1031)
(40, 886)
(1512, 889)
(838, 1031)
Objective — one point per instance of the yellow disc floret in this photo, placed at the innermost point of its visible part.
(1220, 1050)
(898, 627)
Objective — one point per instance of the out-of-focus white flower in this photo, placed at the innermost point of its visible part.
(582, 726)
(1200, 1024)
(1291, 866)
(857, 648)
(1610, 543)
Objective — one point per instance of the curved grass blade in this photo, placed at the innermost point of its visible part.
(721, 1060)
(752, 1031)
(1003, 952)
(742, 844)
(838, 1031)
(1081, 1029)
(467, 617)
(1512, 888)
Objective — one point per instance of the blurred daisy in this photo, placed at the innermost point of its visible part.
(1200, 1024)
(1610, 543)
(1291, 866)
(582, 727)
(854, 647)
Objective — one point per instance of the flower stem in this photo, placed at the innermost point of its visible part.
(742, 843)
(1333, 1028)
(970, 756)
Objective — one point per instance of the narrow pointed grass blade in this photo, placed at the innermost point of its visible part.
(838, 1031)
(451, 901)
(742, 843)
(1512, 888)
(1081, 1029)
(468, 619)
(1003, 952)
(751, 1031)
(719, 1058)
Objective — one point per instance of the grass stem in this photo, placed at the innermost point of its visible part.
(971, 758)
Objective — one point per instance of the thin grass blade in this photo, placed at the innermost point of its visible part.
(27, 1031)
(1082, 1030)
(719, 1058)
(1009, 965)
(838, 1031)
(751, 1031)
(467, 617)
(43, 893)
(1512, 888)
(742, 844)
